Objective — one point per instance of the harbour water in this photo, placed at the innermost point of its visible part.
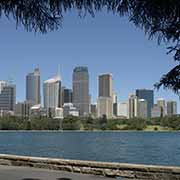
(157, 148)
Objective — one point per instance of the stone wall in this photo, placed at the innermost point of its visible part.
(130, 171)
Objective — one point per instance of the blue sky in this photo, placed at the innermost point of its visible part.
(106, 44)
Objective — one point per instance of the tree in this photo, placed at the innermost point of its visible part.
(157, 18)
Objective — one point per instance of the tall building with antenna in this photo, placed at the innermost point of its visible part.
(33, 87)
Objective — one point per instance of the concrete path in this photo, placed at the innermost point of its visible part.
(26, 173)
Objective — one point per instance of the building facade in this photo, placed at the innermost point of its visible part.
(81, 90)
(171, 108)
(133, 106)
(105, 107)
(148, 95)
(122, 110)
(70, 110)
(162, 105)
(33, 87)
(142, 108)
(7, 96)
(156, 111)
(67, 95)
(22, 109)
(105, 99)
(52, 92)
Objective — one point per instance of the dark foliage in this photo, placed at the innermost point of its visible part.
(158, 18)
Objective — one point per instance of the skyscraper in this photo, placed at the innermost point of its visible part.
(7, 96)
(66, 95)
(81, 90)
(52, 92)
(133, 106)
(148, 95)
(142, 108)
(33, 87)
(105, 99)
(105, 85)
(171, 108)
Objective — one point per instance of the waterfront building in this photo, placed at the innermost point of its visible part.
(156, 111)
(81, 90)
(122, 110)
(171, 108)
(22, 109)
(162, 104)
(38, 111)
(106, 85)
(133, 106)
(57, 113)
(105, 107)
(67, 95)
(105, 99)
(33, 87)
(52, 93)
(7, 96)
(148, 95)
(142, 108)
(70, 110)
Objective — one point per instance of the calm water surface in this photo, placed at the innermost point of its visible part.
(160, 148)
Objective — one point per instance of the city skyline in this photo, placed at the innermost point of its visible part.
(111, 47)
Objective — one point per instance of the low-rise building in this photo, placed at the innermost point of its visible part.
(70, 110)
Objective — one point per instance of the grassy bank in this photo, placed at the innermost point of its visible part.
(90, 124)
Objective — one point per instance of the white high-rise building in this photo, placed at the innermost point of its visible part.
(142, 108)
(122, 109)
(52, 92)
(133, 106)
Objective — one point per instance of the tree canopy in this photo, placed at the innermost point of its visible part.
(159, 19)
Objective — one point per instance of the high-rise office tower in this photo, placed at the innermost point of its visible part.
(162, 104)
(171, 108)
(133, 106)
(52, 92)
(7, 96)
(148, 95)
(66, 95)
(105, 85)
(81, 90)
(33, 87)
(105, 99)
(142, 108)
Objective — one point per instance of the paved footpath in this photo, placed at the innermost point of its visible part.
(26, 173)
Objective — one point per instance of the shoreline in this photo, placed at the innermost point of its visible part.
(89, 131)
